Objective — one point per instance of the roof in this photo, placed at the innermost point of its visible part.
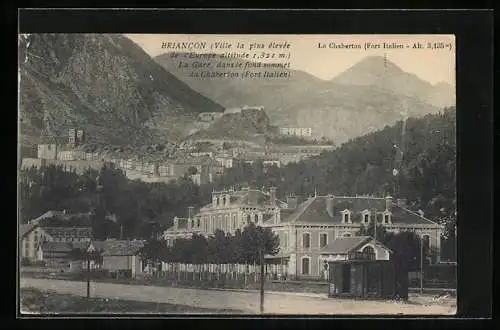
(327, 209)
(76, 219)
(25, 229)
(122, 248)
(85, 232)
(345, 245)
(246, 197)
(57, 247)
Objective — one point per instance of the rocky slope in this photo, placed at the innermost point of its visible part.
(105, 84)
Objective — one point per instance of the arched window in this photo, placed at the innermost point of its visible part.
(323, 240)
(223, 201)
(369, 251)
(305, 265)
(217, 201)
(306, 240)
(256, 218)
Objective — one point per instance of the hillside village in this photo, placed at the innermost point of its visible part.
(202, 160)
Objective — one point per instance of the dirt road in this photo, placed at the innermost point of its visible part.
(275, 303)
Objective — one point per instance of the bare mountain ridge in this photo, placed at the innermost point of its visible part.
(376, 71)
(104, 83)
(331, 108)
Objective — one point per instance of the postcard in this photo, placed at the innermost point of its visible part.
(237, 174)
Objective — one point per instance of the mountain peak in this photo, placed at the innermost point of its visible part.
(373, 65)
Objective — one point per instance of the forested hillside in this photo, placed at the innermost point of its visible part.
(365, 165)
(361, 166)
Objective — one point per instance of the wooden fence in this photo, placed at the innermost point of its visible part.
(236, 273)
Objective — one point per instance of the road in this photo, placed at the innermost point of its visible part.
(275, 303)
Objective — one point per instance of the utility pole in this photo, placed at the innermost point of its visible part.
(88, 275)
(421, 264)
(262, 280)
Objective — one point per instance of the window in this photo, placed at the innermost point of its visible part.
(306, 241)
(369, 251)
(346, 216)
(387, 217)
(366, 218)
(198, 222)
(256, 218)
(323, 240)
(347, 235)
(305, 265)
(217, 203)
(285, 239)
(234, 222)
(249, 219)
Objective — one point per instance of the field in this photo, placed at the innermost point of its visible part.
(49, 302)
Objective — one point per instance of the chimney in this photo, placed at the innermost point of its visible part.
(388, 203)
(291, 200)
(401, 202)
(272, 191)
(329, 205)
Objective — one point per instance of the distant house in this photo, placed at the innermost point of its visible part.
(53, 226)
(55, 255)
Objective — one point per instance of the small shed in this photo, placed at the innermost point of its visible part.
(122, 257)
(360, 267)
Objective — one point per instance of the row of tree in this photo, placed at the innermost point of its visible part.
(243, 247)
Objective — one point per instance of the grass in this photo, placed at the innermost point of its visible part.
(47, 302)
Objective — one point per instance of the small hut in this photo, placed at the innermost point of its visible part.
(360, 267)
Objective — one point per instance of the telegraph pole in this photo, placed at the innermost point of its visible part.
(88, 276)
(421, 264)
(262, 280)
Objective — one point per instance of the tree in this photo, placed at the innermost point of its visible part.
(254, 239)
(152, 251)
(218, 247)
(406, 246)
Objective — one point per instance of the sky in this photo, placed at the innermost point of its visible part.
(432, 65)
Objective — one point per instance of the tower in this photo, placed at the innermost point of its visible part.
(47, 149)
